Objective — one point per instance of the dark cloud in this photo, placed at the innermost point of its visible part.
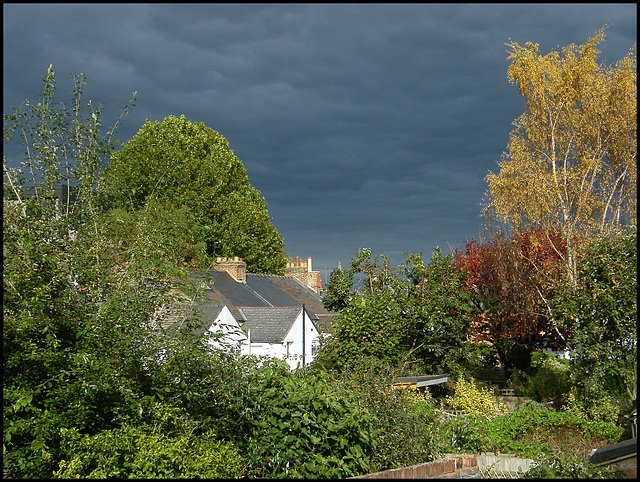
(368, 125)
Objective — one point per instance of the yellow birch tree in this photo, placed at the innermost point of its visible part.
(571, 159)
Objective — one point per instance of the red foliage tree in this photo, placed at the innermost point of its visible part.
(512, 279)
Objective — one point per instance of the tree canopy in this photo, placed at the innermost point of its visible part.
(571, 162)
(416, 317)
(189, 164)
(601, 315)
(513, 280)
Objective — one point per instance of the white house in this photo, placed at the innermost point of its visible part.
(274, 332)
(263, 315)
(286, 333)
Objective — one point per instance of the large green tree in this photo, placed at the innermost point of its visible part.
(437, 314)
(189, 164)
(80, 288)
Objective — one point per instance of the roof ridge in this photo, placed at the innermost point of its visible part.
(268, 275)
(269, 307)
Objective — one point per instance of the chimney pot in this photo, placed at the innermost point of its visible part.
(235, 266)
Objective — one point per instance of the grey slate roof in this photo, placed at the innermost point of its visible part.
(270, 292)
(269, 325)
(299, 292)
(238, 294)
(266, 291)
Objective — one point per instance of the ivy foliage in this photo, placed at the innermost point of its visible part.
(532, 431)
(570, 467)
(190, 165)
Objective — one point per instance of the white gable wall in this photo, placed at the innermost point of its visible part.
(227, 333)
(290, 350)
(294, 341)
(232, 337)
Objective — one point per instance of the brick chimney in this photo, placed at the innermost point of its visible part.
(302, 272)
(236, 267)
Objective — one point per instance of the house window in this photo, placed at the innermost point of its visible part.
(289, 343)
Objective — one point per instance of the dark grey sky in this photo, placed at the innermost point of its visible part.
(362, 125)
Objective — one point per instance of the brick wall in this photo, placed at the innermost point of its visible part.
(302, 271)
(236, 267)
(458, 466)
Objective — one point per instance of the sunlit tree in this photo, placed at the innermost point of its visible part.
(189, 164)
(513, 280)
(571, 160)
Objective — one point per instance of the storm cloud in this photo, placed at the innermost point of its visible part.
(362, 125)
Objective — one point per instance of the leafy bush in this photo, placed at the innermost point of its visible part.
(169, 447)
(469, 398)
(570, 467)
(401, 434)
(304, 429)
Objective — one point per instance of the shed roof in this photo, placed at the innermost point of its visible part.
(420, 381)
(616, 452)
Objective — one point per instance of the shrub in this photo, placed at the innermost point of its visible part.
(461, 434)
(569, 467)
(421, 403)
(550, 382)
(469, 398)
(597, 407)
(168, 447)
(401, 435)
(305, 429)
